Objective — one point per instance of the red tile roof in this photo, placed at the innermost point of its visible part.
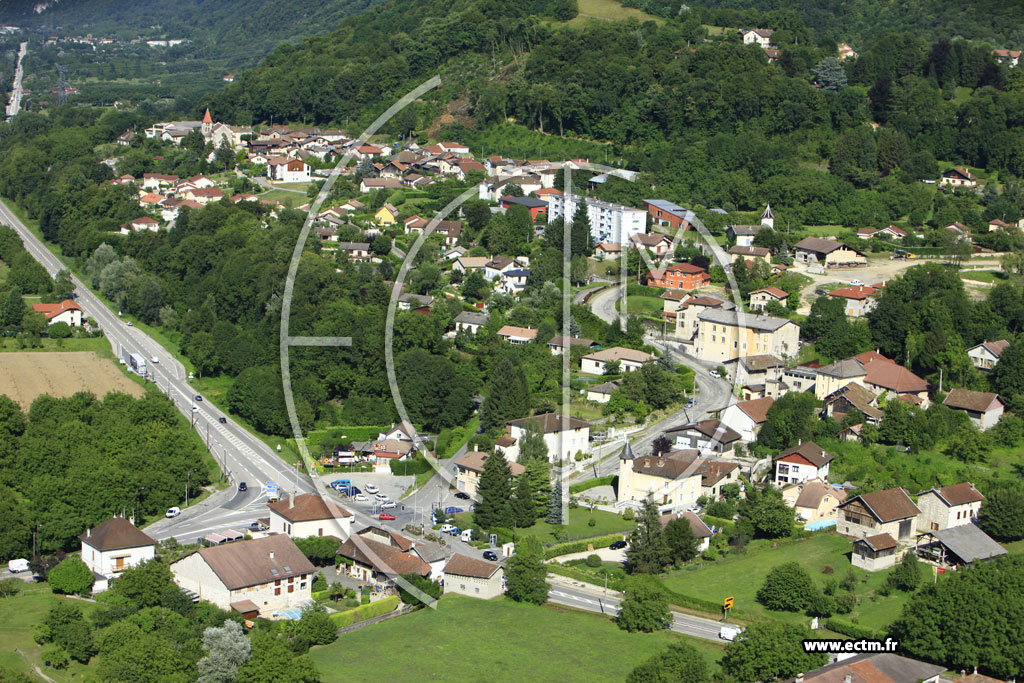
(53, 310)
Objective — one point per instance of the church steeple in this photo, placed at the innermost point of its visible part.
(207, 124)
(768, 218)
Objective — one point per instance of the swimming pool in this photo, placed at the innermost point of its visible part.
(290, 613)
(820, 524)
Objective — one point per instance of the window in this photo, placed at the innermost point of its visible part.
(783, 468)
(302, 585)
(291, 589)
(278, 582)
(277, 591)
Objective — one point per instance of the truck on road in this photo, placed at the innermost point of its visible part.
(273, 495)
(137, 363)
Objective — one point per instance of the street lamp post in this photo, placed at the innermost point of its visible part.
(188, 476)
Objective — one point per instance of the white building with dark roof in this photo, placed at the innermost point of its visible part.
(112, 547)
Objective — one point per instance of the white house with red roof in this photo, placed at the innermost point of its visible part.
(858, 300)
(958, 177)
(747, 417)
(948, 506)
(286, 170)
(66, 311)
(760, 298)
(807, 460)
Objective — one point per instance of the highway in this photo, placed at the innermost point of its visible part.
(241, 455)
(594, 599)
(14, 106)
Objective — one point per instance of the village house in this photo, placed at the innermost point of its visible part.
(602, 393)
(517, 335)
(852, 396)
(386, 215)
(762, 37)
(112, 547)
(881, 667)
(743, 235)
(368, 184)
(470, 466)
(535, 206)
(203, 195)
(714, 474)
(876, 553)
(679, 276)
(753, 374)
(701, 530)
(813, 500)
(751, 253)
(958, 177)
(466, 575)
(450, 231)
(986, 355)
(655, 242)
(708, 437)
(858, 300)
(948, 506)
(723, 335)
(628, 360)
(470, 321)
(663, 212)
(66, 311)
(827, 253)
(378, 557)
(498, 266)
(287, 170)
(807, 460)
(671, 300)
(672, 480)
(747, 417)
(957, 546)
(355, 251)
(141, 223)
(256, 578)
(309, 515)
(760, 298)
(607, 250)
(420, 303)
(465, 264)
(876, 373)
(559, 344)
(565, 436)
(984, 408)
(889, 512)
(1011, 58)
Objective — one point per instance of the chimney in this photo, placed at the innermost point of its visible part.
(271, 554)
(291, 500)
(88, 532)
(848, 679)
(799, 678)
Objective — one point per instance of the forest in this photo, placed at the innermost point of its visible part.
(71, 463)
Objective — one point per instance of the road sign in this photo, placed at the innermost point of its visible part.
(727, 603)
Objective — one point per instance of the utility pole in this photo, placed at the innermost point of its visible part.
(62, 85)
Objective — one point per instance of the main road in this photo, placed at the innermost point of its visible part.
(242, 456)
(14, 106)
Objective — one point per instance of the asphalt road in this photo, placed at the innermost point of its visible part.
(242, 456)
(594, 601)
(602, 304)
(14, 106)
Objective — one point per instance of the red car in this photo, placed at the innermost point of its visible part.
(386, 515)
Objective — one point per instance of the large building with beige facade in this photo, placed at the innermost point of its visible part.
(476, 578)
(309, 515)
(725, 335)
(673, 480)
(256, 578)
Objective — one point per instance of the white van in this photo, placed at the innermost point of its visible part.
(729, 632)
(446, 528)
(19, 565)
(467, 535)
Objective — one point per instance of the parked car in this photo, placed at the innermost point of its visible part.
(379, 496)
(714, 373)
(729, 632)
(223, 420)
(694, 509)
(353, 490)
(462, 495)
(691, 403)
(386, 516)
(257, 526)
(155, 359)
(455, 531)
(173, 512)
(242, 486)
(340, 482)
(360, 497)
(199, 399)
(453, 510)
(131, 324)
(820, 292)
(490, 555)
(617, 545)
(388, 505)
(856, 283)
(446, 528)
(370, 488)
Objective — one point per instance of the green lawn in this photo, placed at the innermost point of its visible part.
(610, 10)
(290, 199)
(825, 230)
(100, 345)
(475, 640)
(642, 305)
(984, 275)
(741, 576)
(578, 527)
(18, 615)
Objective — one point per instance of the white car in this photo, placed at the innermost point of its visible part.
(388, 505)
(714, 373)
(446, 528)
(360, 497)
(370, 488)
(856, 283)
(155, 359)
(380, 496)
(173, 512)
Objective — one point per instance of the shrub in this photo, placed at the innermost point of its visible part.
(787, 588)
(830, 587)
(591, 522)
(319, 583)
(628, 515)
(907, 574)
(580, 546)
(55, 657)
(71, 577)
(593, 561)
(364, 612)
(821, 605)
(721, 508)
(845, 604)
(848, 628)
(849, 581)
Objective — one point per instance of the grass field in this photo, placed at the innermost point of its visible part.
(289, 199)
(610, 10)
(98, 345)
(476, 640)
(578, 527)
(741, 576)
(642, 305)
(984, 275)
(18, 615)
(24, 376)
